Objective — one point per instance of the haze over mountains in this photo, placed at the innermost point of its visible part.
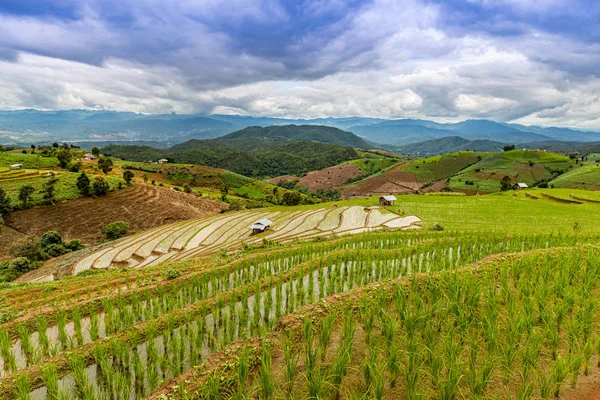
(161, 130)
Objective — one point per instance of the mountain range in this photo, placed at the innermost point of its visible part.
(104, 127)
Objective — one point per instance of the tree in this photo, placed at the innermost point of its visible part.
(95, 151)
(506, 183)
(105, 164)
(48, 188)
(115, 230)
(32, 148)
(128, 176)
(5, 206)
(55, 145)
(25, 193)
(83, 184)
(100, 186)
(64, 157)
(291, 198)
(509, 147)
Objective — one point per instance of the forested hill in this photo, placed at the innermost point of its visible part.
(313, 133)
(265, 159)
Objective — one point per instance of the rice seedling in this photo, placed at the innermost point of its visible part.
(23, 388)
(50, 378)
(266, 375)
(8, 356)
(291, 363)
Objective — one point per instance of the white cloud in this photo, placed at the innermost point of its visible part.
(388, 59)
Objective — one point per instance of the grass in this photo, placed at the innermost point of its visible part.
(508, 212)
(527, 166)
(580, 177)
(29, 161)
(370, 166)
(441, 167)
(66, 188)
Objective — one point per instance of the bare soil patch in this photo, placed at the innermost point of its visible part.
(142, 206)
(7, 237)
(283, 178)
(392, 181)
(331, 177)
(436, 187)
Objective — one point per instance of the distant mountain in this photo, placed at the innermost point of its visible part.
(254, 135)
(25, 127)
(562, 134)
(563, 147)
(448, 144)
(407, 131)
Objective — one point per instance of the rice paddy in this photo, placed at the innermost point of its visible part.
(345, 301)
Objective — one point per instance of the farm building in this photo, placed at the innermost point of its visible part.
(522, 185)
(387, 200)
(89, 156)
(163, 161)
(16, 166)
(261, 226)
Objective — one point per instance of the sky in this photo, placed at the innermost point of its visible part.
(525, 61)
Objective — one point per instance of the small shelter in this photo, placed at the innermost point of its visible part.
(89, 156)
(16, 166)
(522, 185)
(163, 161)
(387, 200)
(261, 226)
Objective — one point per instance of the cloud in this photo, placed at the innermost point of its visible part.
(508, 60)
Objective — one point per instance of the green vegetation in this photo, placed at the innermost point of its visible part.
(442, 167)
(532, 167)
(587, 176)
(371, 166)
(65, 188)
(30, 252)
(494, 297)
(258, 159)
(29, 161)
(116, 230)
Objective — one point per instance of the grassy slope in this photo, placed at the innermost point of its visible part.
(441, 167)
(582, 177)
(34, 172)
(515, 164)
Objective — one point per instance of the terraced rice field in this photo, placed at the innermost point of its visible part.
(200, 237)
(122, 334)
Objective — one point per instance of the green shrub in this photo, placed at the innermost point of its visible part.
(19, 264)
(50, 237)
(100, 186)
(55, 250)
(74, 245)
(115, 230)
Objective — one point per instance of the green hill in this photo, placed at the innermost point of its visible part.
(448, 144)
(584, 177)
(528, 166)
(255, 136)
(251, 157)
